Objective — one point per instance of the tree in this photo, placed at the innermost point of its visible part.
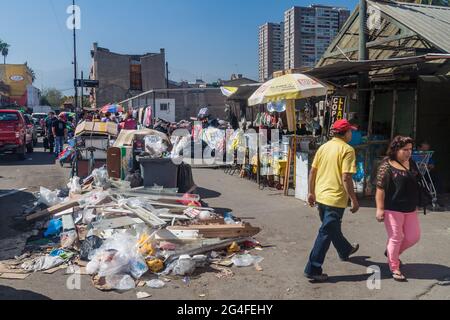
(31, 71)
(53, 97)
(4, 50)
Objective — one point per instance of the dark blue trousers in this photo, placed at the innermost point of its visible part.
(329, 232)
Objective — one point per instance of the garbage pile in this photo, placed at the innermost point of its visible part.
(127, 237)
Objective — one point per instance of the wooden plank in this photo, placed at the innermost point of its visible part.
(221, 231)
(146, 216)
(5, 269)
(115, 223)
(14, 276)
(53, 270)
(53, 210)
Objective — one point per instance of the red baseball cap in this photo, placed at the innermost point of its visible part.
(343, 125)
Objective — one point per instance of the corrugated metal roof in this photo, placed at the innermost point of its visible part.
(430, 22)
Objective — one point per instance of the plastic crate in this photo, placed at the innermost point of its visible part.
(160, 172)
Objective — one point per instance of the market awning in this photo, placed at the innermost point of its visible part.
(344, 68)
(244, 92)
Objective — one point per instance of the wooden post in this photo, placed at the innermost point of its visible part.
(369, 135)
(290, 115)
(394, 110)
(415, 114)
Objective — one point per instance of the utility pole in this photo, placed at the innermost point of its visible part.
(75, 61)
(82, 90)
(363, 78)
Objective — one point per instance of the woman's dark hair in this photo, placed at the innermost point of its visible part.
(398, 143)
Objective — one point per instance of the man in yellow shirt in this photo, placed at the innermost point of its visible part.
(331, 186)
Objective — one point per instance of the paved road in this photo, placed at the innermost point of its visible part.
(289, 228)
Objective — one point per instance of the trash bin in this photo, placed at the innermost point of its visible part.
(161, 172)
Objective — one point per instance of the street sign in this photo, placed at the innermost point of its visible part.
(85, 83)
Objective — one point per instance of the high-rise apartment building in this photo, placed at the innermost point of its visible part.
(308, 31)
(271, 49)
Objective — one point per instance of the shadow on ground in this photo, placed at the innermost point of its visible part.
(207, 193)
(8, 293)
(418, 271)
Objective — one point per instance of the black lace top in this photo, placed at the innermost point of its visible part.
(400, 186)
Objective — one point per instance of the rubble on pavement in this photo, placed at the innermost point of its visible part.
(121, 236)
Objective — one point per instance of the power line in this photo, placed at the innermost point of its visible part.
(59, 26)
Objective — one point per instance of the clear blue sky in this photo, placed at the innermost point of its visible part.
(207, 39)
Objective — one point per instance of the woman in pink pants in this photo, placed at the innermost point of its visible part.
(397, 201)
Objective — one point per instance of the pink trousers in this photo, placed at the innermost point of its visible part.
(403, 232)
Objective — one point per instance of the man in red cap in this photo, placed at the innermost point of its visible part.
(331, 186)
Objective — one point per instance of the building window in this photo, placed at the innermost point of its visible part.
(164, 107)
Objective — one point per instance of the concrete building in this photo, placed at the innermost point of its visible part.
(179, 104)
(16, 85)
(308, 31)
(122, 76)
(271, 49)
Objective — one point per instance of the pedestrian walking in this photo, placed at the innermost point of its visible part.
(330, 187)
(49, 138)
(60, 133)
(397, 199)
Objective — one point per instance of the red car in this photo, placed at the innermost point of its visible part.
(15, 135)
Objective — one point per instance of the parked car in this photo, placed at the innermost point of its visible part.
(32, 128)
(15, 136)
(40, 122)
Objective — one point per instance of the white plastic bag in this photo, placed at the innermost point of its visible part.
(68, 239)
(74, 185)
(156, 284)
(155, 146)
(88, 216)
(246, 260)
(48, 197)
(100, 177)
(120, 282)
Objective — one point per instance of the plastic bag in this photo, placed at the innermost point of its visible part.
(88, 216)
(117, 255)
(155, 146)
(48, 197)
(246, 260)
(68, 239)
(156, 284)
(186, 265)
(54, 228)
(120, 282)
(93, 198)
(138, 267)
(100, 177)
(74, 185)
(89, 246)
(42, 263)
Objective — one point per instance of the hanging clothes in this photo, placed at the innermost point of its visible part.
(148, 117)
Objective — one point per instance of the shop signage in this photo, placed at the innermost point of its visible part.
(337, 108)
(16, 78)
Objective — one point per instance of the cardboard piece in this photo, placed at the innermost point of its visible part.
(101, 128)
(14, 276)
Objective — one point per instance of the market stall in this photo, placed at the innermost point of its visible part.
(289, 87)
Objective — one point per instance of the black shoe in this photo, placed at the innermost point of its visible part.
(318, 278)
(354, 250)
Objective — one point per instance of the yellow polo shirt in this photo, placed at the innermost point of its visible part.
(332, 160)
